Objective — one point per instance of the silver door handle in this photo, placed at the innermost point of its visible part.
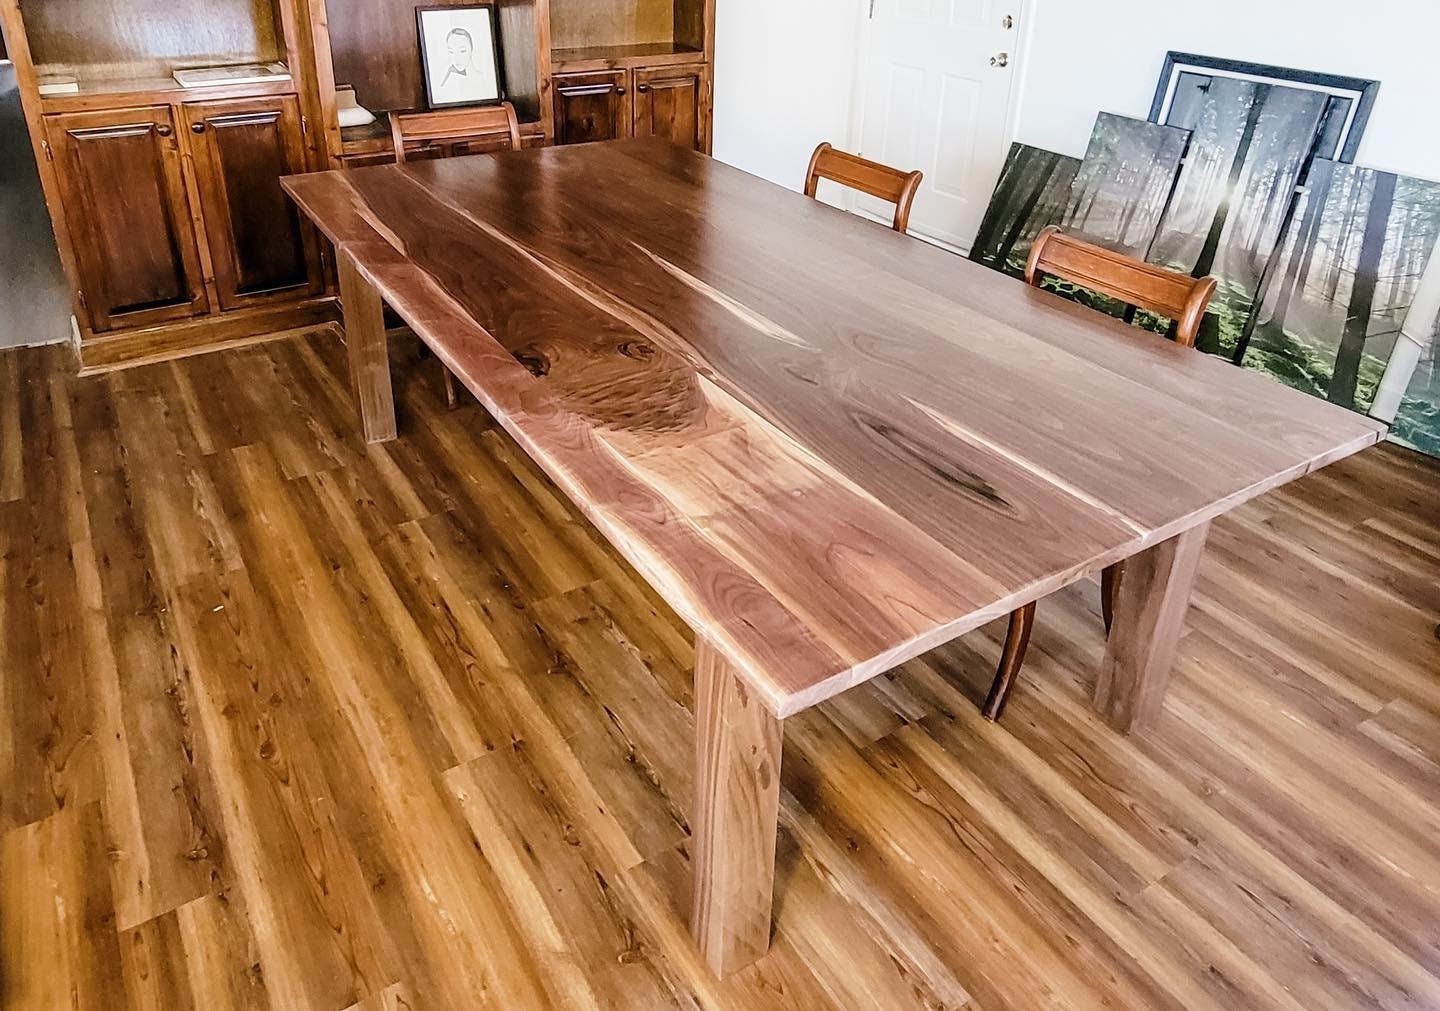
(1000, 60)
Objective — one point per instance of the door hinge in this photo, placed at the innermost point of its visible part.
(872, 10)
(304, 126)
(49, 153)
(80, 295)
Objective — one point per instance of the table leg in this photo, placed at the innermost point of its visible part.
(1149, 616)
(737, 807)
(369, 356)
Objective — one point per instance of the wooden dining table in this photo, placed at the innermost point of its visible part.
(828, 447)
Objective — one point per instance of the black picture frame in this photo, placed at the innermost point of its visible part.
(485, 96)
(1359, 91)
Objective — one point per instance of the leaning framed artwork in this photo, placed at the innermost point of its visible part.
(1347, 102)
(459, 54)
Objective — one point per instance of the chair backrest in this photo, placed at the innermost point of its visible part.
(870, 177)
(1167, 293)
(447, 132)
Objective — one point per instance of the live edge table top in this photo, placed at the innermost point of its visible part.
(829, 447)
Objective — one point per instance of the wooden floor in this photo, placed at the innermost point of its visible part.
(288, 722)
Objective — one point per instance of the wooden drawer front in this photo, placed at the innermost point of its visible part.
(591, 107)
(258, 246)
(670, 102)
(127, 215)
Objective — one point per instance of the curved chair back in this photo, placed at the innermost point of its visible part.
(1167, 293)
(867, 176)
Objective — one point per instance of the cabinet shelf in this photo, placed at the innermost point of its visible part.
(121, 92)
(647, 54)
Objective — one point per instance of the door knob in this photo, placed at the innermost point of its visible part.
(1000, 60)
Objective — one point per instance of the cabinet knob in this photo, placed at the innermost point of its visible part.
(619, 91)
(642, 87)
(163, 130)
(197, 127)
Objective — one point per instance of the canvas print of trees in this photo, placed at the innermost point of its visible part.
(1124, 183)
(1251, 141)
(1033, 190)
(1417, 425)
(1348, 268)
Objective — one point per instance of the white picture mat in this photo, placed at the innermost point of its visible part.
(445, 45)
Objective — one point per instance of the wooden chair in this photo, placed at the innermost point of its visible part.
(1181, 298)
(870, 177)
(446, 133)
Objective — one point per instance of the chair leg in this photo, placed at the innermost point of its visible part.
(452, 395)
(1110, 592)
(1017, 641)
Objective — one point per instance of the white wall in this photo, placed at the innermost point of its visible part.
(784, 74)
(1088, 56)
(786, 69)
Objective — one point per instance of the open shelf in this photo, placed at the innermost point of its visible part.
(374, 49)
(649, 54)
(131, 47)
(153, 90)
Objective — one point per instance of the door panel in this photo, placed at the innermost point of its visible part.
(935, 101)
(127, 215)
(591, 107)
(669, 103)
(260, 248)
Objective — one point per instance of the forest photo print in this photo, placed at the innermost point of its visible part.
(1317, 260)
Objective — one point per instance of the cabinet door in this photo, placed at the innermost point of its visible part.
(259, 247)
(127, 216)
(670, 102)
(591, 106)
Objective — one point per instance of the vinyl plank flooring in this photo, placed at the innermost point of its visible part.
(288, 721)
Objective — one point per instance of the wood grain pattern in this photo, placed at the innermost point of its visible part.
(447, 132)
(339, 628)
(1169, 293)
(120, 173)
(261, 251)
(881, 181)
(1149, 617)
(682, 349)
(366, 345)
(737, 805)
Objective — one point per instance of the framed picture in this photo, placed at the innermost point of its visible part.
(1124, 183)
(459, 54)
(1347, 104)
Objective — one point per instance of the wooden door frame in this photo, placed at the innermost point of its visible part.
(1025, 11)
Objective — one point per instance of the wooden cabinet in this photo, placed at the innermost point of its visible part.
(670, 102)
(259, 249)
(590, 107)
(119, 173)
(661, 101)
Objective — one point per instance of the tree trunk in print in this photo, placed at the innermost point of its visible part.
(1362, 298)
(1297, 271)
(1031, 202)
(1015, 169)
(1208, 252)
(1347, 231)
(1268, 210)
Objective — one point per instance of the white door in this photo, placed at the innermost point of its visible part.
(938, 75)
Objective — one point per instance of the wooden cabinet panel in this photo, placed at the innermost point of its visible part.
(592, 106)
(259, 248)
(670, 102)
(128, 218)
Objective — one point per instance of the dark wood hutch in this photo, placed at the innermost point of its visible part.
(172, 228)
